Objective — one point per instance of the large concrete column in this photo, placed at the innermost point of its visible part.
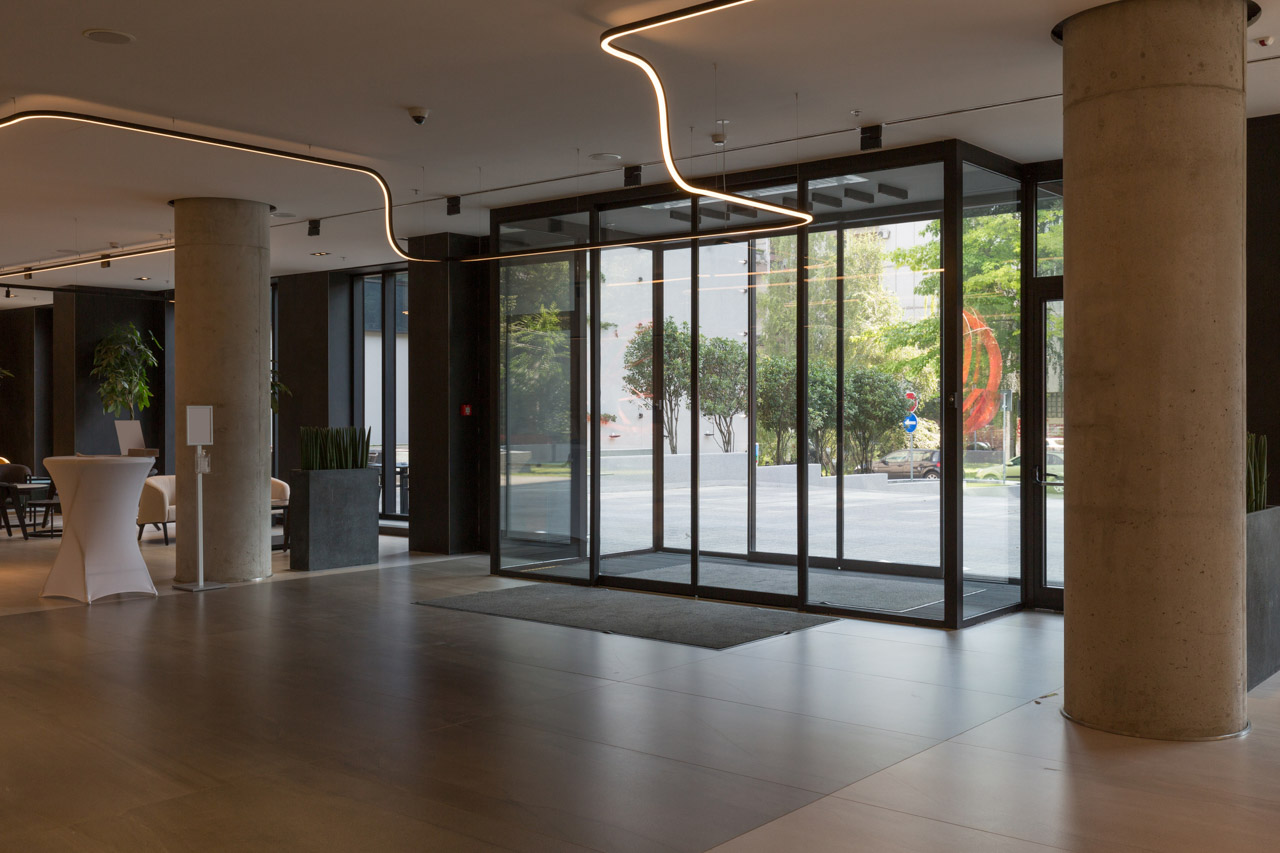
(1154, 175)
(222, 327)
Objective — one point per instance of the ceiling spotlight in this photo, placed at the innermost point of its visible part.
(106, 262)
(319, 254)
(313, 227)
(27, 275)
(453, 205)
(604, 157)
(8, 294)
(419, 114)
(143, 278)
(872, 137)
(631, 176)
(103, 36)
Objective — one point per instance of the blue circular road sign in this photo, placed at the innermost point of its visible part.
(909, 423)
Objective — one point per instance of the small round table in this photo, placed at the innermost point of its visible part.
(98, 555)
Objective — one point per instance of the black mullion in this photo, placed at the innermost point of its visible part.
(802, 406)
(694, 407)
(388, 392)
(498, 354)
(952, 335)
(595, 312)
(839, 397)
(1032, 503)
(275, 356)
(752, 361)
(578, 345)
(658, 374)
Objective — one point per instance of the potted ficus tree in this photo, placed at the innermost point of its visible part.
(333, 505)
(1262, 559)
(121, 362)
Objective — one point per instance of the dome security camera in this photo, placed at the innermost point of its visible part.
(419, 114)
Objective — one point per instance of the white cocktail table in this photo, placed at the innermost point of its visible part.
(99, 554)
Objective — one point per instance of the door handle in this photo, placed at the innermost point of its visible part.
(1040, 481)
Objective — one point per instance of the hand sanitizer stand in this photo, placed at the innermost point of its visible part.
(200, 434)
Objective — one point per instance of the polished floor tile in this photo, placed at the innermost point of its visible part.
(837, 826)
(1052, 803)
(895, 704)
(328, 712)
(1008, 674)
(790, 749)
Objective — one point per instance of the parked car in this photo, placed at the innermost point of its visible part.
(1054, 470)
(902, 464)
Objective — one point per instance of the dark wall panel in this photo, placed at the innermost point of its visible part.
(18, 428)
(1263, 282)
(448, 368)
(313, 326)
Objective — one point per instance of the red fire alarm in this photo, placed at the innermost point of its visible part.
(466, 410)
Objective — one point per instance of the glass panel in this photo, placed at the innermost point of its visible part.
(771, 266)
(639, 222)
(727, 216)
(674, 409)
(991, 233)
(545, 232)
(626, 397)
(824, 414)
(873, 337)
(1049, 228)
(542, 458)
(372, 293)
(722, 398)
(1055, 419)
(401, 458)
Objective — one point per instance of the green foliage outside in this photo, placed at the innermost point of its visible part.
(638, 378)
(535, 340)
(886, 354)
(120, 364)
(722, 389)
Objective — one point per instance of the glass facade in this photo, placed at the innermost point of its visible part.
(384, 300)
(787, 418)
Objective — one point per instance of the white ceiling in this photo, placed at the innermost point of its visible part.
(518, 90)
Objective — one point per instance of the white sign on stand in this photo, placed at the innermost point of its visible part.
(200, 435)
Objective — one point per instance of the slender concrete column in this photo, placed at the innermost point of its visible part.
(1154, 175)
(222, 327)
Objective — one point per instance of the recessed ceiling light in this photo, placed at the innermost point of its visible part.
(318, 254)
(143, 278)
(104, 36)
(280, 214)
(604, 156)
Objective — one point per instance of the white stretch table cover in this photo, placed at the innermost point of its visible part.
(99, 552)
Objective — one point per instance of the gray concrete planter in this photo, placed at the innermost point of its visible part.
(333, 518)
(1262, 594)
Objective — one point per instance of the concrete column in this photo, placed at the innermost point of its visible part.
(1154, 175)
(222, 327)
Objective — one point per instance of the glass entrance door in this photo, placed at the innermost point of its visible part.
(1046, 478)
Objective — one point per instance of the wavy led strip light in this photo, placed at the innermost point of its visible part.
(606, 44)
(83, 118)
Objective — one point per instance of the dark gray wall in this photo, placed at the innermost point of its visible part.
(25, 398)
(1263, 281)
(80, 322)
(314, 347)
(448, 367)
